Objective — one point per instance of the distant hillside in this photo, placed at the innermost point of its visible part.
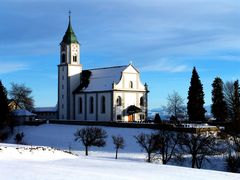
(164, 114)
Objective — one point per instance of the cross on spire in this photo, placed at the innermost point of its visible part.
(69, 12)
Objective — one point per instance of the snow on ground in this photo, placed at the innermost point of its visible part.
(37, 153)
(62, 136)
(100, 163)
(28, 166)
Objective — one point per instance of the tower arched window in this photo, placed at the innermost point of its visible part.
(91, 104)
(63, 58)
(119, 101)
(80, 105)
(75, 58)
(141, 101)
(103, 104)
(131, 84)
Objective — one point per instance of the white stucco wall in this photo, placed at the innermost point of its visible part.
(130, 95)
(68, 80)
(78, 115)
(128, 99)
(90, 116)
(130, 74)
(62, 90)
(74, 81)
(97, 113)
(108, 107)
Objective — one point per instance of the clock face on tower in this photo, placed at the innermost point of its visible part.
(75, 49)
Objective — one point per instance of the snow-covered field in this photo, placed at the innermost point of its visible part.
(29, 162)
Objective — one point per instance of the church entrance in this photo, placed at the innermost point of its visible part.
(132, 110)
(131, 118)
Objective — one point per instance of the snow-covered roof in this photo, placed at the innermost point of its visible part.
(45, 109)
(22, 112)
(101, 79)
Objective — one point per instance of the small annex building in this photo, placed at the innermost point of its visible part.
(46, 113)
(22, 115)
(101, 94)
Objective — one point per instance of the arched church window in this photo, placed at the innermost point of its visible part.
(91, 104)
(119, 117)
(131, 84)
(119, 101)
(80, 105)
(141, 101)
(75, 58)
(63, 58)
(103, 104)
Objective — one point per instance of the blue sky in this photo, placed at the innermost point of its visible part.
(164, 40)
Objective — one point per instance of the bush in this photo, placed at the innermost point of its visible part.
(233, 163)
(19, 138)
(157, 119)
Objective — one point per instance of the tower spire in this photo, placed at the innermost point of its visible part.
(69, 36)
(69, 16)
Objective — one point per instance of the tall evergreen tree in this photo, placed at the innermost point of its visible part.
(196, 111)
(219, 106)
(4, 111)
(157, 119)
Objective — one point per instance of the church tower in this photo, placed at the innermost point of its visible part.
(69, 70)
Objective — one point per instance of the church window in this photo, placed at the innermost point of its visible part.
(119, 101)
(63, 58)
(141, 116)
(131, 84)
(80, 105)
(74, 58)
(91, 105)
(103, 103)
(141, 101)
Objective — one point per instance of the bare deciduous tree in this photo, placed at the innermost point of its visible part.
(233, 158)
(118, 141)
(228, 90)
(91, 136)
(199, 146)
(22, 96)
(149, 142)
(168, 145)
(175, 105)
(231, 95)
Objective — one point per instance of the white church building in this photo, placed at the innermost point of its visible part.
(101, 94)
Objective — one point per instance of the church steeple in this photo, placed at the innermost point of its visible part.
(69, 71)
(69, 36)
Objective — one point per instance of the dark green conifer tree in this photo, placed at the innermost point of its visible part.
(219, 106)
(4, 111)
(196, 111)
(157, 119)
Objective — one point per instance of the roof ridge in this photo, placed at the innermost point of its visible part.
(107, 67)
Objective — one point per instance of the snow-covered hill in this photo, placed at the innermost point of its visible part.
(28, 163)
(100, 163)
